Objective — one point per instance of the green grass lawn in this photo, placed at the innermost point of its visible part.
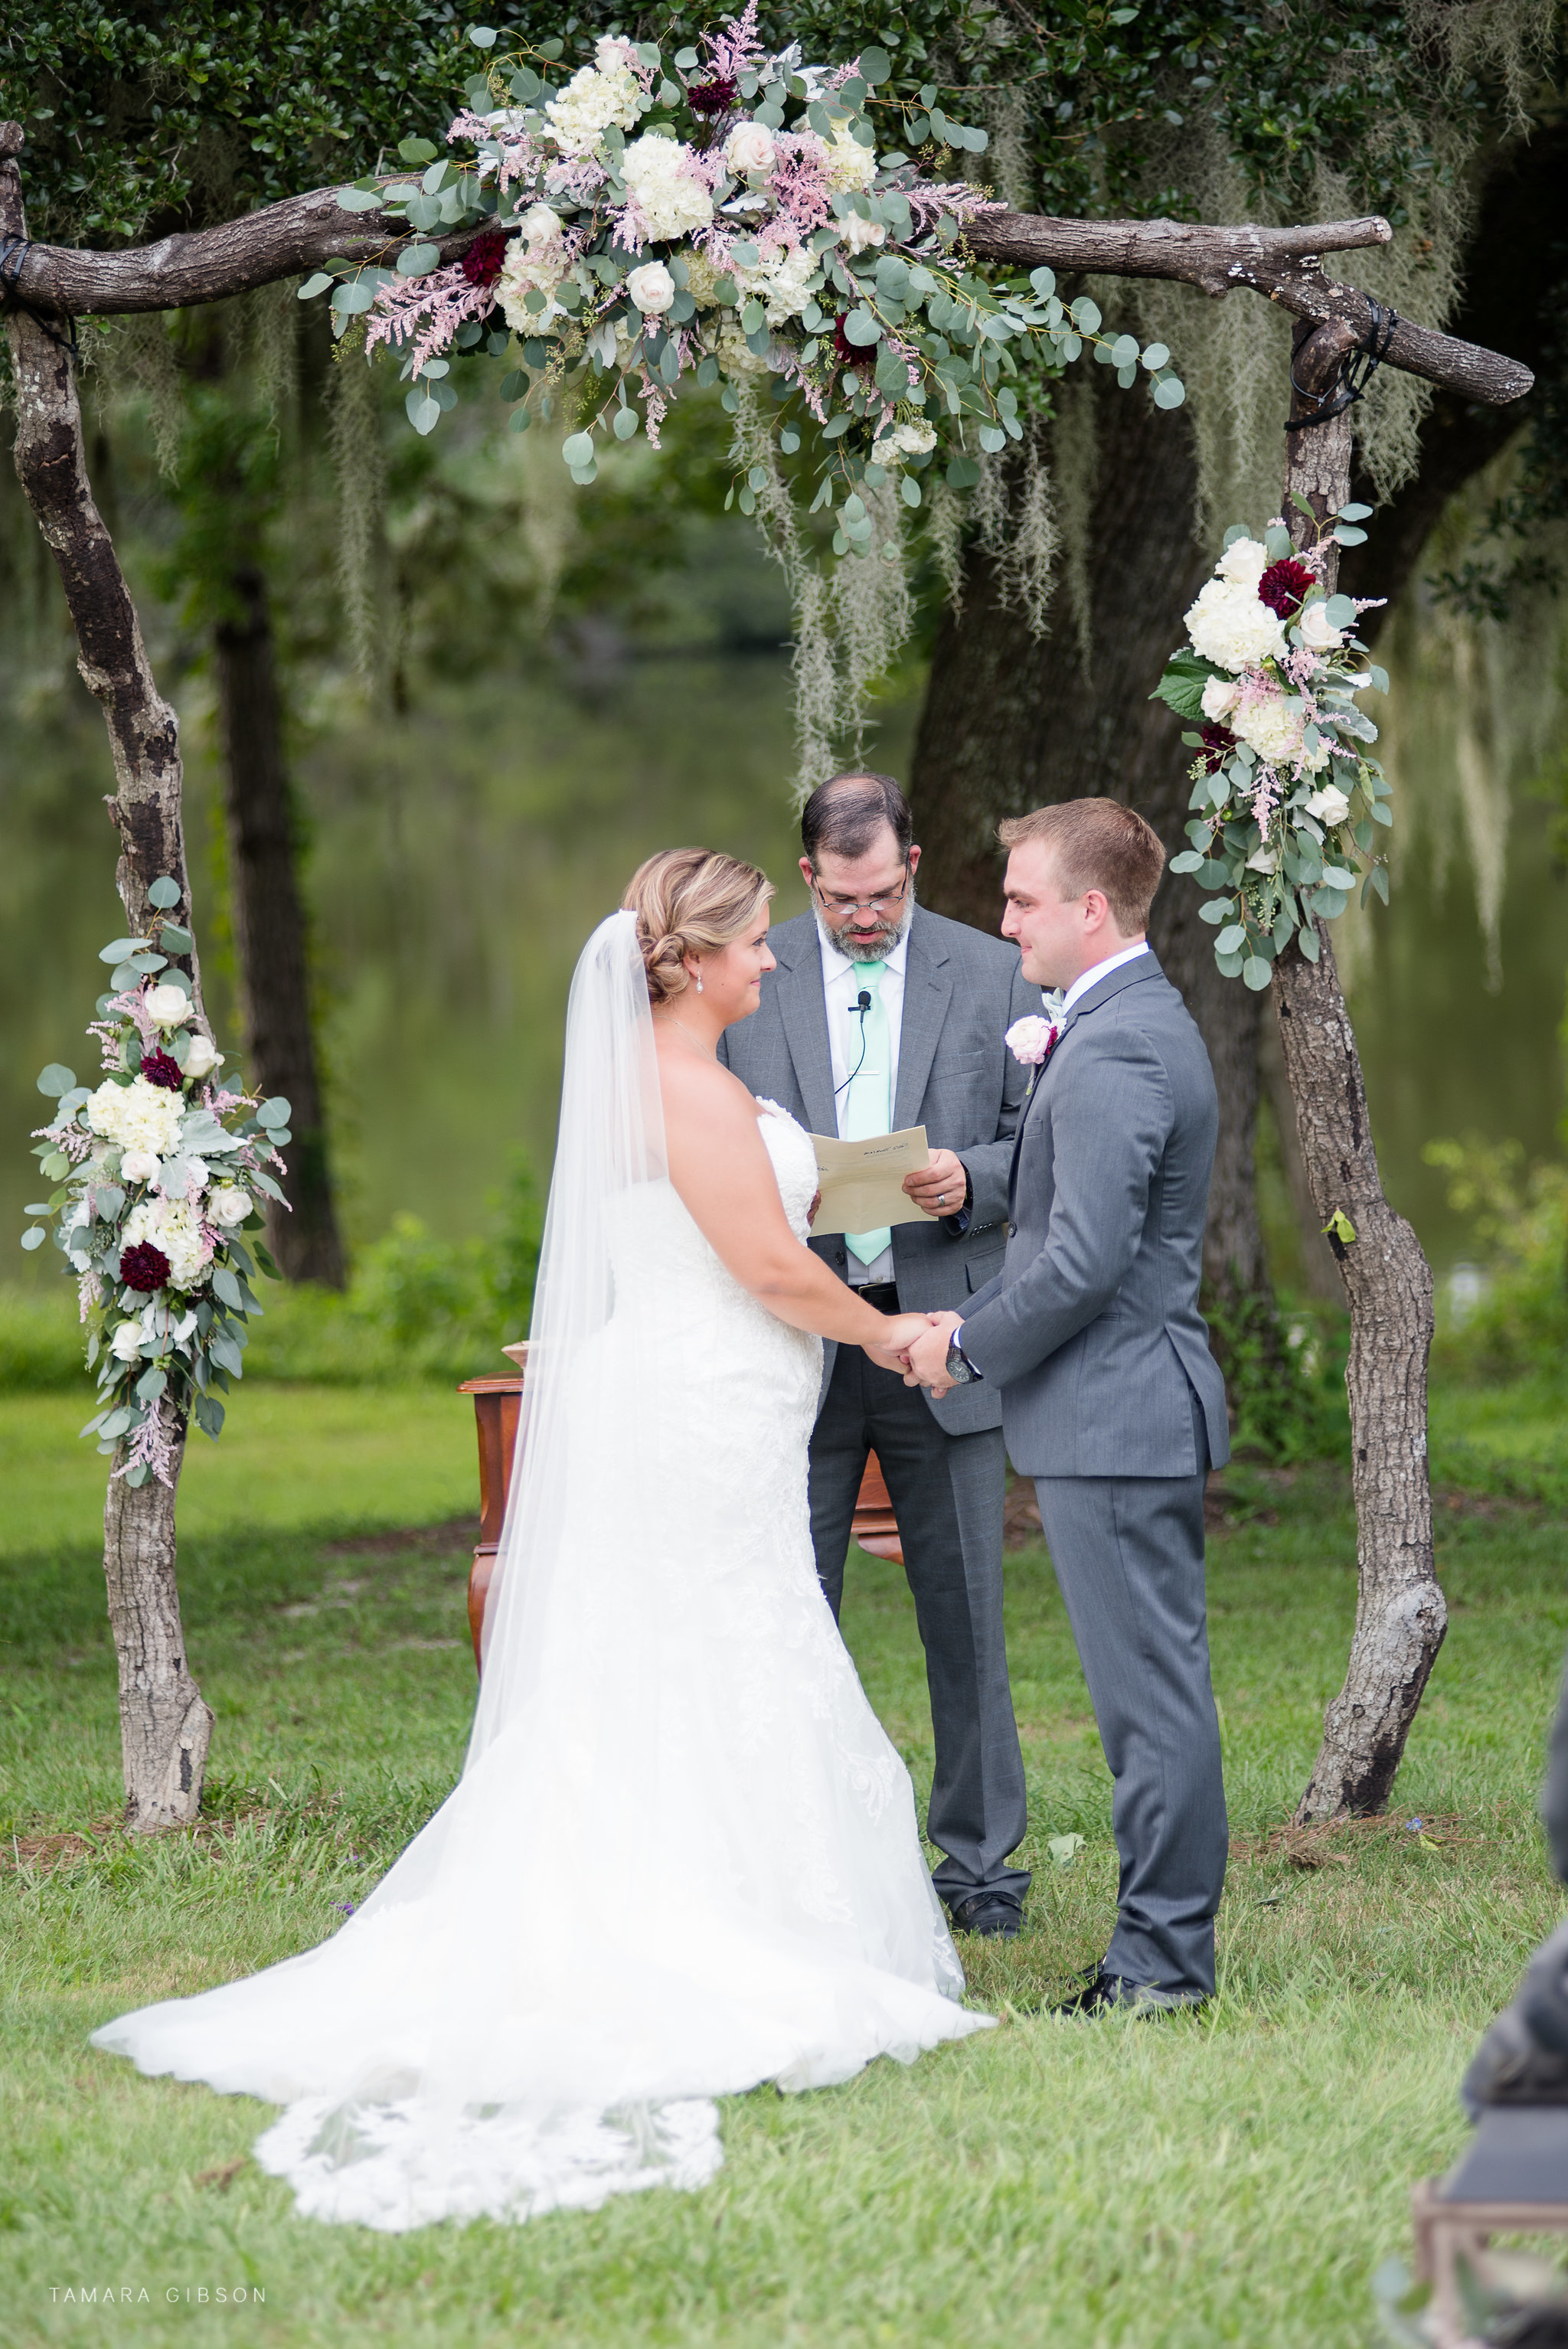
(1235, 2177)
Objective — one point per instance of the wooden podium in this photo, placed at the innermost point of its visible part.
(497, 1402)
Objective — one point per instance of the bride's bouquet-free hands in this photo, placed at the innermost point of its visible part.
(901, 1334)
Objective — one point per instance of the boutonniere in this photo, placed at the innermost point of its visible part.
(1032, 1042)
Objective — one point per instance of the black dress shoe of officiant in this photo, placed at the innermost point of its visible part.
(991, 1913)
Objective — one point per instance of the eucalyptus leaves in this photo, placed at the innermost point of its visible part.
(156, 1171)
(1290, 807)
(722, 217)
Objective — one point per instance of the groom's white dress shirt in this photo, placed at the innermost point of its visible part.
(1088, 978)
(840, 989)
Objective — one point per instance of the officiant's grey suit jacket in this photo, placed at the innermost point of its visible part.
(1092, 1328)
(961, 992)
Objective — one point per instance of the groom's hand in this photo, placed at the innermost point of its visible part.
(940, 1187)
(898, 1332)
(927, 1357)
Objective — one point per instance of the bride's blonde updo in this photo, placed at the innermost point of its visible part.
(690, 901)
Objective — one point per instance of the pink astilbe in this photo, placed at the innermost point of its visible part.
(90, 1292)
(516, 156)
(736, 50)
(929, 199)
(444, 299)
(1300, 664)
(799, 184)
(152, 1446)
(67, 1137)
(576, 177)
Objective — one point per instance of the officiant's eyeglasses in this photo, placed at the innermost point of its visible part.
(833, 904)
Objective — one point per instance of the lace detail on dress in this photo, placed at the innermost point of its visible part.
(687, 1864)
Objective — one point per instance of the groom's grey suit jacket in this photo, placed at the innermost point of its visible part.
(1092, 1328)
(962, 991)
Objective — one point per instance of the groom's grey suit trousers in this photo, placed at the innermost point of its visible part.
(944, 1461)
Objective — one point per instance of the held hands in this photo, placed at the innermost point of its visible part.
(890, 1347)
(925, 1362)
(940, 1186)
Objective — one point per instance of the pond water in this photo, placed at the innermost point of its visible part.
(459, 856)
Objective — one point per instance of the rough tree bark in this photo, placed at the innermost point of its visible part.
(165, 1725)
(1401, 1616)
(1011, 721)
(269, 928)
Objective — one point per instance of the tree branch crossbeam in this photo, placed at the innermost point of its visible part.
(301, 233)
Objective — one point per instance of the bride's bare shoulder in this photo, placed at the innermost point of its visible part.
(699, 1092)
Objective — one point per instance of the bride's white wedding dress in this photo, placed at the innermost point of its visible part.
(683, 1857)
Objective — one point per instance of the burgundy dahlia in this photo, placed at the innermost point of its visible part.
(842, 345)
(482, 261)
(144, 1267)
(1284, 587)
(715, 97)
(1217, 744)
(161, 1067)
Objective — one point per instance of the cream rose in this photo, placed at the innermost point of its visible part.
(125, 1341)
(1329, 805)
(170, 1007)
(1262, 860)
(749, 150)
(141, 1166)
(228, 1205)
(202, 1056)
(652, 288)
(1315, 631)
(861, 234)
(1243, 563)
(1221, 696)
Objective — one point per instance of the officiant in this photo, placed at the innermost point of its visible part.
(881, 1016)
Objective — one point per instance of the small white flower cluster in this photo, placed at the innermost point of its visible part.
(661, 180)
(143, 1119)
(597, 96)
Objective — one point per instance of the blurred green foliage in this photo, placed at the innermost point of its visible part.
(1517, 1212)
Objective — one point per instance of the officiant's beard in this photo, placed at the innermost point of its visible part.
(877, 947)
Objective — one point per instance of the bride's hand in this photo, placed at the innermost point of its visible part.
(898, 1333)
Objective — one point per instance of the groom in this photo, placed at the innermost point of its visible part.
(1111, 1398)
(879, 1016)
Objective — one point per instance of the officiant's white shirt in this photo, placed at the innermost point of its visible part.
(840, 989)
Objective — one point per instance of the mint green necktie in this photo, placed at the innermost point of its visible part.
(868, 1097)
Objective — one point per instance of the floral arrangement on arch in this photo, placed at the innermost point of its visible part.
(157, 1169)
(1291, 808)
(726, 217)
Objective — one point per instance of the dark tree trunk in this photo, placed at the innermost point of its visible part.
(165, 1724)
(1011, 722)
(1401, 1616)
(270, 930)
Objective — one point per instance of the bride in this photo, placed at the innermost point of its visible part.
(681, 1857)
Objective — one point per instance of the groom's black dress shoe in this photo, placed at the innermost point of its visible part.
(990, 1913)
(1099, 1992)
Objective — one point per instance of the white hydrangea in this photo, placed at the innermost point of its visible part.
(1243, 563)
(1271, 726)
(916, 439)
(779, 281)
(1228, 625)
(735, 356)
(594, 98)
(138, 1116)
(849, 166)
(535, 263)
(702, 280)
(670, 199)
(175, 1226)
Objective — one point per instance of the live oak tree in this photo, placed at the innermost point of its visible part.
(1401, 1622)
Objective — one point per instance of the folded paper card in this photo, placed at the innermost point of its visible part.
(862, 1182)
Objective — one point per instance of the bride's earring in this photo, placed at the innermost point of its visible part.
(699, 982)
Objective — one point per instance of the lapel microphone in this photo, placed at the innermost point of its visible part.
(863, 1004)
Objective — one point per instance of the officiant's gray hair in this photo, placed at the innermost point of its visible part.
(690, 901)
(845, 815)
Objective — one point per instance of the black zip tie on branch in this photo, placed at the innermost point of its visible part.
(1356, 369)
(14, 252)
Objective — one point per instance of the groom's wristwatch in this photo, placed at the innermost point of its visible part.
(958, 1369)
